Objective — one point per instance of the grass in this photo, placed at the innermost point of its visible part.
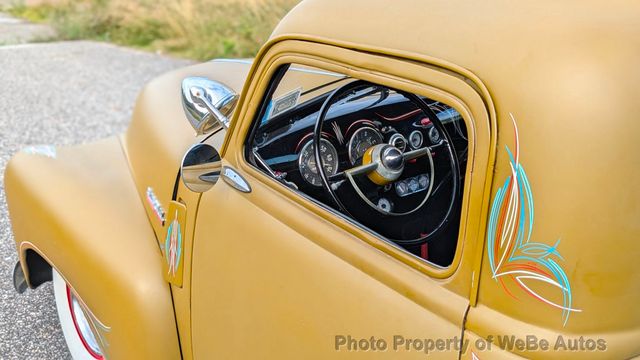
(195, 29)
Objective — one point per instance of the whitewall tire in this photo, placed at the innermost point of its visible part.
(73, 320)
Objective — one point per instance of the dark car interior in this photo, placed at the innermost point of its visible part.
(391, 161)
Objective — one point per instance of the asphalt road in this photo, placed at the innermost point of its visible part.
(57, 93)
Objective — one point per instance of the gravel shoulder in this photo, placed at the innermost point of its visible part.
(57, 93)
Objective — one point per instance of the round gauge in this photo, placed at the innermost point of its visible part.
(398, 141)
(402, 188)
(416, 139)
(423, 181)
(385, 205)
(434, 135)
(414, 185)
(361, 141)
(307, 161)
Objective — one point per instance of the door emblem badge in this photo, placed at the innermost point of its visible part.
(155, 205)
(173, 248)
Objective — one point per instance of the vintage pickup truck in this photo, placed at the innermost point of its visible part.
(454, 179)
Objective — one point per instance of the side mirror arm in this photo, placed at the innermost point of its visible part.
(207, 104)
(198, 96)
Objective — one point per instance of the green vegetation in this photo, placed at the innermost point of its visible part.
(196, 29)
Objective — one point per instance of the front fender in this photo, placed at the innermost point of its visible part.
(78, 208)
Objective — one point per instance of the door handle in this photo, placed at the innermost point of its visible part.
(233, 178)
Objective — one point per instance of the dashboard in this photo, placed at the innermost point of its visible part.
(284, 146)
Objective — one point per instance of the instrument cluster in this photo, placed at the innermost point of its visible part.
(345, 149)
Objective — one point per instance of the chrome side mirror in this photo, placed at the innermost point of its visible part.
(201, 167)
(207, 104)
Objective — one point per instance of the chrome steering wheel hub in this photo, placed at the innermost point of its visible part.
(389, 161)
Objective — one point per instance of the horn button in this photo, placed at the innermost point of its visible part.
(392, 158)
(390, 163)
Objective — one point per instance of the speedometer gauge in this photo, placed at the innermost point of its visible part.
(361, 141)
(307, 161)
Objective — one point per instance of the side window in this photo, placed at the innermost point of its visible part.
(390, 161)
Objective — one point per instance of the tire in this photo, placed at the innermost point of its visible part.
(72, 320)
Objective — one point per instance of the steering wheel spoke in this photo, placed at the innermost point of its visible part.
(414, 154)
(362, 169)
(354, 171)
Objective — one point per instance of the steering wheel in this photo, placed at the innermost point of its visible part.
(383, 164)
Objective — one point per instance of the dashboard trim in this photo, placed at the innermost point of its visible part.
(401, 117)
